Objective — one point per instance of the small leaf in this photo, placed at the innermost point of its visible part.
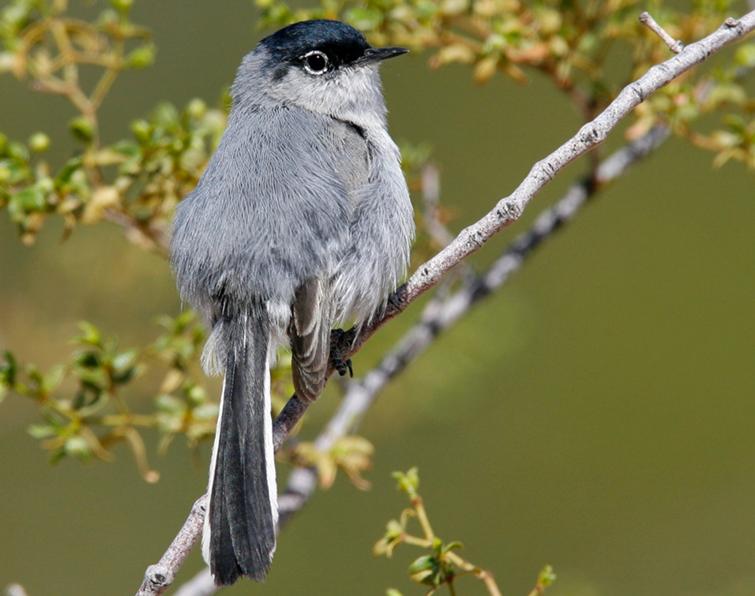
(485, 69)
(172, 381)
(141, 57)
(82, 128)
(122, 5)
(8, 370)
(39, 142)
(424, 570)
(90, 334)
(408, 482)
(53, 378)
(77, 447)
(41, 431)
(326, 471)
(30, 199)
(103, 198)
(455, 545)
(546, 577)
(125, 360)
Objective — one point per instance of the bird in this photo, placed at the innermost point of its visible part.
(301, 222)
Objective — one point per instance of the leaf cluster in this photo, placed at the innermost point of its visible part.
(85, 404)
(440, 565)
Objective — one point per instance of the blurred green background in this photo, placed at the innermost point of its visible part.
(596, 415)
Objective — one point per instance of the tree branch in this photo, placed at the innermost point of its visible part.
(506, 211)
(674, 45)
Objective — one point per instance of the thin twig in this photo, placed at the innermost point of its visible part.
(430, 183)
(506, 211)
(482, 574)
(674, 45)
(439, 234)
(161, 575)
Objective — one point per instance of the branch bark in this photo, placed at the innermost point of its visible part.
(160, 576)
(674, 45)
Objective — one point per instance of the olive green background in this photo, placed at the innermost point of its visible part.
(596, 414)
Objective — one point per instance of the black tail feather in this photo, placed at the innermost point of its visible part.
(241, 513)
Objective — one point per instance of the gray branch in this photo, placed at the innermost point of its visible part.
(674, 45)
(159, 577)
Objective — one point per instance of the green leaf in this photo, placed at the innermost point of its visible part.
(424, 570)
(39, 142)
(196, 395)
(30, 199)
(41, 431)
(122, 6)
(166, 116)
(66, 172)
(82, 128)
(125, 360)
(53, 378)
(408, 482)
(196, 108)
(18, 151)
(455, 545)
(8, 370)
(87, 360)
(546, 577)
(90, 335)
(141, 57)
(77, 447)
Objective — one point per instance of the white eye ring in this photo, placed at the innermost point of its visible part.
(313, 56)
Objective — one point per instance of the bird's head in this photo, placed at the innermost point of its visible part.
(321, 65)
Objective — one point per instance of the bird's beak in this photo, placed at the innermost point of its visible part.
(379, 54)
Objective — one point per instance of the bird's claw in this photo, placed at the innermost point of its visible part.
(343, 366)
(340, 341)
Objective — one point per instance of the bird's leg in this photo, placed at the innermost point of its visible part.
(340, 343)
(396, 301)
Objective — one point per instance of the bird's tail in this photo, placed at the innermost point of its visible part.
(239, 529)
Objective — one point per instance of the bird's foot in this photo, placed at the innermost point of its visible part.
(340, 344)
(396, 301)
(343, 366)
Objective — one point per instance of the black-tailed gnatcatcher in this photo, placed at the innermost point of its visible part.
(301, 221)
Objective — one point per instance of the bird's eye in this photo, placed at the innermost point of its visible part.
(315, 62)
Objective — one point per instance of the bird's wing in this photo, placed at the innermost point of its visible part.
(309, 332)
(314, 306)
